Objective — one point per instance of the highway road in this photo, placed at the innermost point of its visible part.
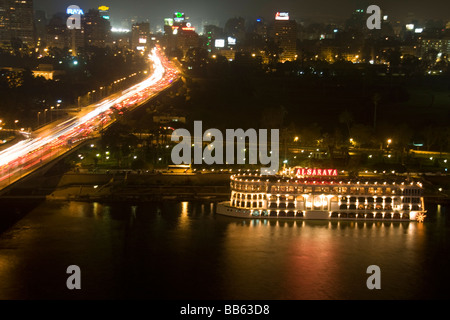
(54, 140)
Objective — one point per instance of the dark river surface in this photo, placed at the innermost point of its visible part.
(183, 250)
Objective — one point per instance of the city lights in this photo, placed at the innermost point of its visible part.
(224, 151)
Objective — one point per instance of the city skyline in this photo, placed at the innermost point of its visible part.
(325, 10)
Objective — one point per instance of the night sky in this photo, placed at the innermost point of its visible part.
(322, 10)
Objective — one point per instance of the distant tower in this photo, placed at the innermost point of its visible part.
(285, 34)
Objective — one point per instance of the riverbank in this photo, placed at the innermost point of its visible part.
(127, 185)
(140, 186)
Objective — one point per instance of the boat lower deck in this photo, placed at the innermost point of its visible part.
(224, 208)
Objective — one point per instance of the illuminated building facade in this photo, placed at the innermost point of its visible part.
(97, 30)
(17, 22)
(140, 36)
(440, 46)
(285, 34)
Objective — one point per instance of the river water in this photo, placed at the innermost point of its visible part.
(183, 250)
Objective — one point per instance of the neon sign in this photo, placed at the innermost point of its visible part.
(315, 172)
(74, 10)
(178, 17)
(219, 43)
(282, 16)
(74, 20)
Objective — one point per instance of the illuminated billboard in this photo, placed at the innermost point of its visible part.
(168, 22)
(282, 16)
(74, 10)
(219, 43)
(178, 17)
(231, 41)
(104, 12)
(142, 40)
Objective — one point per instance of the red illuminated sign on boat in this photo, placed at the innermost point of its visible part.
(315, 172)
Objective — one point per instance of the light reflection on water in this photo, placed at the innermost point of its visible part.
(184, 250)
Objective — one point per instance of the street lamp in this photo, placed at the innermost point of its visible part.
(38, 115)
(389, 141)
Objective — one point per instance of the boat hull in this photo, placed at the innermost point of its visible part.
(224, 208)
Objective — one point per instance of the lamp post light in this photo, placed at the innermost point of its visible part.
(38, 116)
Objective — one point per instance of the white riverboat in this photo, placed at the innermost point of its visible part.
(307, 193)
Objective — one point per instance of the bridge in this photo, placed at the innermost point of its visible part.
(54, 141)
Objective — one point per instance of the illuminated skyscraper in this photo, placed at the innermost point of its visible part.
(97, 30)
(17, 22)
(285, 35)
(140, 36)
(4, 21)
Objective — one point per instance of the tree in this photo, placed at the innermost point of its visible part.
(346, 118)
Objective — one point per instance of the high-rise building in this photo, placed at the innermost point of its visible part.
(212, 32)
(140, 36)
(235, 28)
(187, 38)
(17, 22)
(97, 30)
(40, 23)
(285, 35)
(4, 22)
(57, 34)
